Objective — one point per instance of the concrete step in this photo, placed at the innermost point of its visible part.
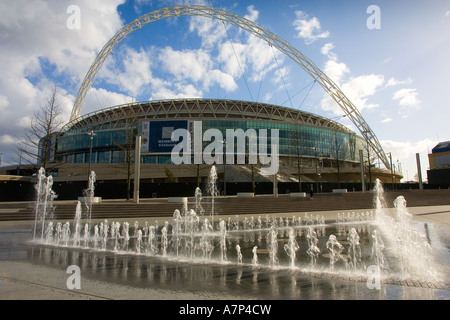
(230, 205)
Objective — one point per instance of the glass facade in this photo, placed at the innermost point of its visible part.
(110, 144)
(295, 139)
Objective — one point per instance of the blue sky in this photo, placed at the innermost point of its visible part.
(397, 76)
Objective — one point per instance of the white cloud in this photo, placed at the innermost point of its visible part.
(99, 98)
(137, 72)
(211, 31)
(360, 88)
(280, 74)
(252, 13)
(4, 102)
(197, 66)
(328, 104)
(175, 92)
(405, 153)
(41, 31)
(336, 70)
(240, 54)
(447, 14)
(386, 61)
(6, 139)
(308, 29)
(24, 121)
(326, 49)
(407, 97)
(356, 89)
(394, 82)
(37, 50)
(408, 101)
(221, 60)
(386, 120)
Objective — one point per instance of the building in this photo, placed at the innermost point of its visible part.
(318, 150)
(310, 144)
(439, 160)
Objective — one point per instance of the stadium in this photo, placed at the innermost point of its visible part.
(312, 149)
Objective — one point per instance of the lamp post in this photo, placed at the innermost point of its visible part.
(317, 164)
(320, 173)
(392, 174)
(91, 134)
(224, 142)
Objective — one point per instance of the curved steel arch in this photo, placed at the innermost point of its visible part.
(193, 10)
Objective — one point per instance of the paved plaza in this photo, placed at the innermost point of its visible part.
(29, 272)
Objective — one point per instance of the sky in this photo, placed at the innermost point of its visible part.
(390, 60)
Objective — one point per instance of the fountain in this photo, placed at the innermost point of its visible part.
(44, 202)
(212, 189)
(272, 245)
(205, 241)
(313, 250)
(291, 247)
(164, 239)
(77, 233)
(391, 243)
(89, 197)
(377, 251)
(151, 245)
(238, 253)
(354, 250)
(335, 249)
(413, 253)
(255, 256)
(222, 241)
(198, 201)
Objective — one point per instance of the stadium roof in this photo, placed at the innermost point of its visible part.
(198, 109)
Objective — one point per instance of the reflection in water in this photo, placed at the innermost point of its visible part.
(230, 277)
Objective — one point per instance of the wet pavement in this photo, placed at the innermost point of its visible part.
(29, 272)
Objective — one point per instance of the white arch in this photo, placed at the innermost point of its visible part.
(192, 10)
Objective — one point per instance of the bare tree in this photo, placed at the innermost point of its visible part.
(369, 160)
(38, 143)
(254, 169)
(296, 153)
(127, 145)
(339, 152)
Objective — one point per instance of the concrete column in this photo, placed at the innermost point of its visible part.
(419, 171)
(275, 186)
(137, 169)
(361, 162)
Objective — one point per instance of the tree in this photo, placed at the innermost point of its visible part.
(369, 160)
(253, 169)
(127, 144)
(298, 153)
(170, 176)
(39, 141)
(339, 152)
